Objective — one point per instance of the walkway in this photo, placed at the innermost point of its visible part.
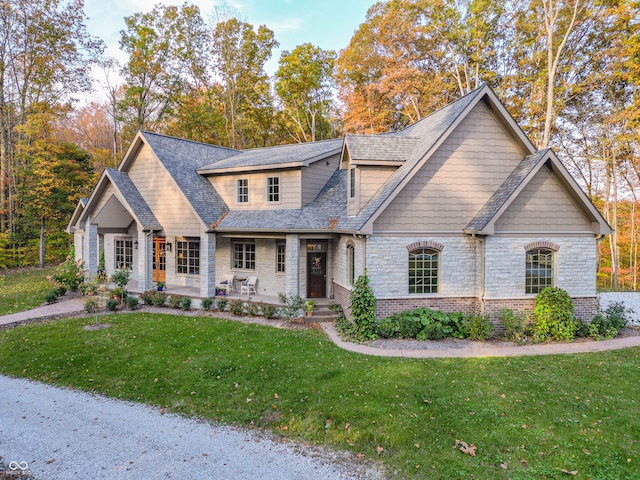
(74, 306)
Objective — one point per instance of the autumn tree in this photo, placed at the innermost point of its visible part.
(304, 82)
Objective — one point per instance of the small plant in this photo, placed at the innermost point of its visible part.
(309, 307)
(553, 315)
(117, 293)
(112, 305)
(292, 305)
(51, 296)
(70, 273)
(478, 327)
(121, 277)
(160, 286)
(607, 324)
(221, 304)
(268, 310)
(88, 288)
(252, 308)
(185, 303)
(515, 327)
(159, 299)
(207, 303)
(101, 276)
(132, 303)
(363, 308)
(147, 297)
(61, 290)
(236, 307)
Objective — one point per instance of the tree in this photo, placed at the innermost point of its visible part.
(304, 85)
(45, 55)
(167, 48)
(239, 55)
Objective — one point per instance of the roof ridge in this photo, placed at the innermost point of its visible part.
(147, 132)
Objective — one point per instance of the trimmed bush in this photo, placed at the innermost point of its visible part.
(51, 296)
(175, 300)
(132, 303)
(478, 327)
(291, 307)
(553, 315)
(252, 308)
(112, 305)
(515, 327)
(268, 310)
(185, 303)
(207, 303)
(236, 307)
(221, 304)
(159, 299)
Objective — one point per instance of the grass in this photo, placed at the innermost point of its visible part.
(529, 417)
(22, 290)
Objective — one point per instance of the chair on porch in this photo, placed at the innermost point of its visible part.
(226, 283)
(249, 285)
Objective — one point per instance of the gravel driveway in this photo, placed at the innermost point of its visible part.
(64, 434)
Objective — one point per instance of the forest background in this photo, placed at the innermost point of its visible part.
(568, 71)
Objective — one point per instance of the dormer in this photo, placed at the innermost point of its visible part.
(369, 161)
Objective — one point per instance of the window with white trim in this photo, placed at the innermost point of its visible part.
(352, 182)
(281, 256)
(188, 256)
(273, 189)
(244, 255)
(124, 253)
(351, 273)
(423, 270)
(538, 270)
(243, 190)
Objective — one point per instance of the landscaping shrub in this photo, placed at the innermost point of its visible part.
(515, 327)
(112, 305)
(291, 307)
(478, 327)
(345, 327)
(185, 303)
(553, 315)
(236, 307)
(582, 328)
(363, 308)
(159, 299)
(387, 327)
(607, 324)
(221, 304)
(207, 303)
(147, 297)
(409, 325)
(268, 310)
(51, 296)
(252, 308)
(61, 290)
(70, 274)
(91, 306)
(132, 303)
(175, 300)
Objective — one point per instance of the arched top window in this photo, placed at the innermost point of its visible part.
(423, 270)
(351, 271)
(539, 269)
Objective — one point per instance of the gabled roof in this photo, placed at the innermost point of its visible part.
(76, 214)
(181, 159)
(378, 149)
(483, 223)
(128, 194)
(281, 156)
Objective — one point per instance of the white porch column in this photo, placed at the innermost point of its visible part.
(90, 247)
(292, 283)
(207, 265)
(145, 260)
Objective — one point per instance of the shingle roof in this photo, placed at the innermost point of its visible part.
(132, 196)
(505, 191)
(182, 159)
(297, 153)
(380, 147)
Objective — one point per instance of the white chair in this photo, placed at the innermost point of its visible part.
(226, 283)
(248, 286)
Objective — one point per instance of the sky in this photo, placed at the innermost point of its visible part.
(328, 24)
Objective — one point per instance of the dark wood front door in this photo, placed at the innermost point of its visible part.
(316, 274)
(159, 260)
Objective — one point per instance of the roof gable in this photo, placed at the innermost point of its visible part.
(378, 149)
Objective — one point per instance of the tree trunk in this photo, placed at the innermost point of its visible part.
(42, 241)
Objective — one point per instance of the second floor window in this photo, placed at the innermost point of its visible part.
(273, 189)
(352, 182)
(243, 190)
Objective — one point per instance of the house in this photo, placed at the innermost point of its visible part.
(457, 212)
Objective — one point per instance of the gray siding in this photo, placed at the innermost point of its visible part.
(315, 177)
(162, 195)
(543, 206)
(371, 179)
(226, 186)
(457, 180)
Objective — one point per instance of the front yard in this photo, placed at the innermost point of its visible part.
(565, 416)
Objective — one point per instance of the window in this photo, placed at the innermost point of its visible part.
(281, 255)
(273, 189)
(244, 255)
(539, 270)
(352, 182)
(423, 271)
(124, 253)
(351, 264)
(188, 256)
(243, 190)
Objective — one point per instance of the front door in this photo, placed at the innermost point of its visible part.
(316, 274)
(159, 260)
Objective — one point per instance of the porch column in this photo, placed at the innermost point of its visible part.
(145, 260)
(207, 265)
(292, 283)
(90, 247)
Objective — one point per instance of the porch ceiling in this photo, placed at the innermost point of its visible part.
(113, 215)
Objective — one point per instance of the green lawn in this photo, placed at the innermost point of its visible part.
(529, 417)
(23, 289)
